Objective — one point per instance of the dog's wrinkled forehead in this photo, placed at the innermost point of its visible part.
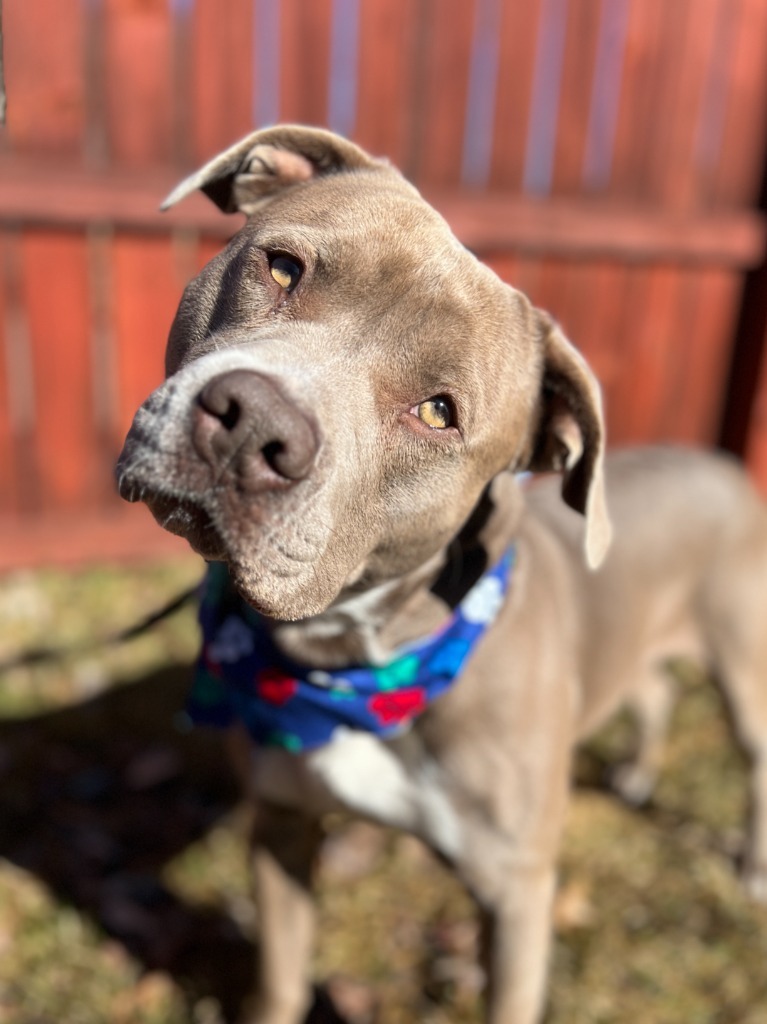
(363, 235)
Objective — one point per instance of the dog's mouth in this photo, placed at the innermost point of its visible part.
(180, 516)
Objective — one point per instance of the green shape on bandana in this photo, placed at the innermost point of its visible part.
(286, 740)
(398, 673)
(340, 693)
(207, 689)
(216, 584)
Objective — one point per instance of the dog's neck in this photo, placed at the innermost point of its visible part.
(367, 626)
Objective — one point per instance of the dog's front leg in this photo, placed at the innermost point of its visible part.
(516, 940)
(285, 845)
(509, 866)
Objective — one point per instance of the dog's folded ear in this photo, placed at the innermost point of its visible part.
(570, 436)
(242, 177)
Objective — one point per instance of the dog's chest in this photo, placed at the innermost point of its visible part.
(363, 774)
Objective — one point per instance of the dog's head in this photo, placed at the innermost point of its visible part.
(344, 379)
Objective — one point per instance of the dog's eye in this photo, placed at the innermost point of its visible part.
(285, 271)
(436, 413)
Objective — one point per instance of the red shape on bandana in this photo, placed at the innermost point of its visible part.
(398, 705)
(274, 687)
(212, 666)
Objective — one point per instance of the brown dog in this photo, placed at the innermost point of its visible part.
(349, 393)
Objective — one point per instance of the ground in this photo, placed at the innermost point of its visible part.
(123, 885)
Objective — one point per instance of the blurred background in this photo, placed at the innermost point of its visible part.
(607, 157)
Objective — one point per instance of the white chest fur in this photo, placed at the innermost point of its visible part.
(366, 776)
(363, 774)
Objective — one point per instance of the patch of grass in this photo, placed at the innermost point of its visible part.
(53, 608)
(652, 922)
(57, 966)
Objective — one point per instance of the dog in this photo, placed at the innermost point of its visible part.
(350, 399)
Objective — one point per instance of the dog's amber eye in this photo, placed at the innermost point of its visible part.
(436, 412)
(285, 271)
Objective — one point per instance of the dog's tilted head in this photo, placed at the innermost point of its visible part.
(343, 381)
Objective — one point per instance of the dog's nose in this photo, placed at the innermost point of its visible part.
(244, 425)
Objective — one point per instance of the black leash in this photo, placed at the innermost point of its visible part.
(44, 655)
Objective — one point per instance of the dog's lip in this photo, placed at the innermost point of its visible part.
(187, 519)
(128, 488)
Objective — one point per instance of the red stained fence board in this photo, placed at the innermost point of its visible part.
(57, 300)
(221, 74)
(145, 293)
(44, 55)
(138, 66)
(8, 469)
(645, 273)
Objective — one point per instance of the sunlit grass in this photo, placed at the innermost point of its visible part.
(653, 925)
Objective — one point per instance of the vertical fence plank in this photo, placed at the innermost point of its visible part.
(103, 373)
(20, 407)
(545, 97)
(304, 74)
(756, 441)
(528, 272)
(505, 265)
(207, 249)
(443, 76)
(648, 353)
(386, 91)
(138, 101)
(44, 53)
(653, 133)
(146, 292)
(481, 95)
(741, 157)
(519, 31)
(696, 397)
(8, 468)
(674, 175)
(601, 308)
(591, 305)
(576, 92)
(222, 55)
(599, 130)
(636, 115)
(55, 282)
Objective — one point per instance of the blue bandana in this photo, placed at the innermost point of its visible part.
(242, 676)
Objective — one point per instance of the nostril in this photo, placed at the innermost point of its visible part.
(220, 403)
(231, 416)
(271, 453)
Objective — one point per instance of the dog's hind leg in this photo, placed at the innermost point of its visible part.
(737, 635)
(745, 690)
(284, 851)
(651, 704)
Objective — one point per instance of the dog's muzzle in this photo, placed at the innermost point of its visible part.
(240, 441)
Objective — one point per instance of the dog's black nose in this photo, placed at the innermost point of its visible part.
(243, 425)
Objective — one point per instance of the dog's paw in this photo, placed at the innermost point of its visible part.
(754, 878)
(633, 783)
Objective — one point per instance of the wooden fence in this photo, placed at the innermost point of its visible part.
(606, 156)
